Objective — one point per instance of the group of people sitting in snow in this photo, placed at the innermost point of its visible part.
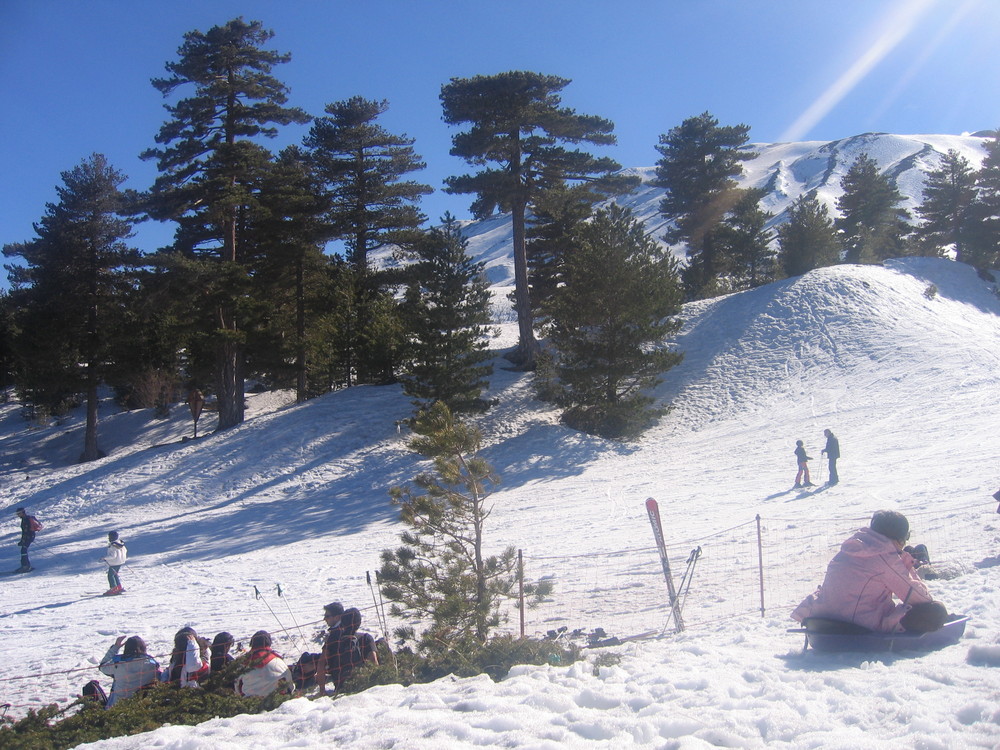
(261, 672)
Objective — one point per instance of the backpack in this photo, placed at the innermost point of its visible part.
(93, 691)
(34, 524)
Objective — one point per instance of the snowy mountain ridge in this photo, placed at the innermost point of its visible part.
(785, 171)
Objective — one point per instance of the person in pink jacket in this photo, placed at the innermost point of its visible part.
(862, 578)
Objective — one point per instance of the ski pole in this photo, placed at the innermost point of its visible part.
(378, 585)
(260, 597)
(688, 574)
(285, 600)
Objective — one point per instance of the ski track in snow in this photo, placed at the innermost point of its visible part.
(298, 497)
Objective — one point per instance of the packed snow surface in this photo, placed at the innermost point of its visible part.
(901, 362)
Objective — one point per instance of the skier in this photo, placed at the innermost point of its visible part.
(800, 455)
(114, 558)
(832, 452)
(29, 526)
(862, 578)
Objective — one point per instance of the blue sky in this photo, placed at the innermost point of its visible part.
(74, 76)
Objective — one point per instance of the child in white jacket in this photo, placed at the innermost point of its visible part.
(114, 558)
(268, 672)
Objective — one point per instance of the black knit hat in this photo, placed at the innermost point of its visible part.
(891, 524)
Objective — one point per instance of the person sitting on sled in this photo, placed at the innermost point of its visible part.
(862, 578)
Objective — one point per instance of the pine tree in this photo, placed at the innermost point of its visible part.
(362, 165)
(69, 292)
(947, 210)
(872, 224)
(517, 123)
(288, 229)
(609, 324)
(209, 164)
(986, 238)
(808, 239)
(442, 570)
(745, 241)
(699, 161)
(555, 217)
(447, 310)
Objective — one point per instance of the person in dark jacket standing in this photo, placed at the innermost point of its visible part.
(29, 526)
(832, 452)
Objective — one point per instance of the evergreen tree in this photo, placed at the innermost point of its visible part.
(442, 570)
(609, 324)
(447, 309)
(362, 166)
(808, 239)
(872, 224)
(699, 161)
(555, 216)
(517, 123)
(746, 242)
(209, 167)
(947, 210)
(70, 288)
(291, 280)
(986, 239)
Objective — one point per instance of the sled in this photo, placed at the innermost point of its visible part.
(833, 635)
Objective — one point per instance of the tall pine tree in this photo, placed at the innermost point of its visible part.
(872, 223)
(987, 209)
(363, 168)
(947, 212)
(447, 310)
(699, 161)
(209, 166)
(516, 123)
(69, 291)
(609, 323)
(808, 239)
(745, 241)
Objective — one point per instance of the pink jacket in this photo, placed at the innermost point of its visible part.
(860, 582)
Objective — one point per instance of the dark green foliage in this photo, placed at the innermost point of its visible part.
(555, 216)
(70, 291)
(872, 224)
(986, 251)
(362, 164)
(745, 242)
(292, 283)
(495, 658)
(210, 178)
(361, 169)
(610, 323)
(516, 122)
(447, 310)
(441, 571)
(947, 213)
(699, 161)
(808, 239)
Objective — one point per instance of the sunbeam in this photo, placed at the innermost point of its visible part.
(894, 28)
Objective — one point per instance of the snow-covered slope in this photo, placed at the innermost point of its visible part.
(297, 496)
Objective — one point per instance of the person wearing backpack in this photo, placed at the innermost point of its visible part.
(132, 670)
(344, 650)
(114, 558)
(29, 527)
